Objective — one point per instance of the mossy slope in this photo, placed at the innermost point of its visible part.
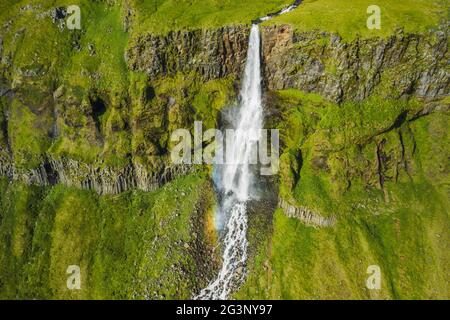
(382, 172)
(348, 18)
(133, 246)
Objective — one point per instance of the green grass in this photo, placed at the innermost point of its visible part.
(401, 226)
(407, 240)
(337, 145)
(135, 245)
(28, 135)
(199, 14)
(37, 44)
(348, 17)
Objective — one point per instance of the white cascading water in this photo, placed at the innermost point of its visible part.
(235, 177)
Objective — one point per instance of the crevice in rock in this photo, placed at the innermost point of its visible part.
(379, 153)
(98, 110)
(52, 175)
(5, 132)
(296, 172)
(404, 160)
(149, 93)
(400, 120)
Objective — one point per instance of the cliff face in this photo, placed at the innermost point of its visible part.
(212, 53)
(113, 140)
(103, 180)
(134, 125)
(400, 66)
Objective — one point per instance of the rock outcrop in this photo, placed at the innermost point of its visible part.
(305, 215)
(102, 179)
(212, 53)
(402, 65)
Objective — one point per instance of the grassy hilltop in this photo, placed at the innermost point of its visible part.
(348, 17)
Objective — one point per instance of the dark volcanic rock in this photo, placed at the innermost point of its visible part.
(401, 65)
(213, 53)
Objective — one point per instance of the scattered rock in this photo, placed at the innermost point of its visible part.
(305, 215)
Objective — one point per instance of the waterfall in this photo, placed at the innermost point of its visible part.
(235, 178)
